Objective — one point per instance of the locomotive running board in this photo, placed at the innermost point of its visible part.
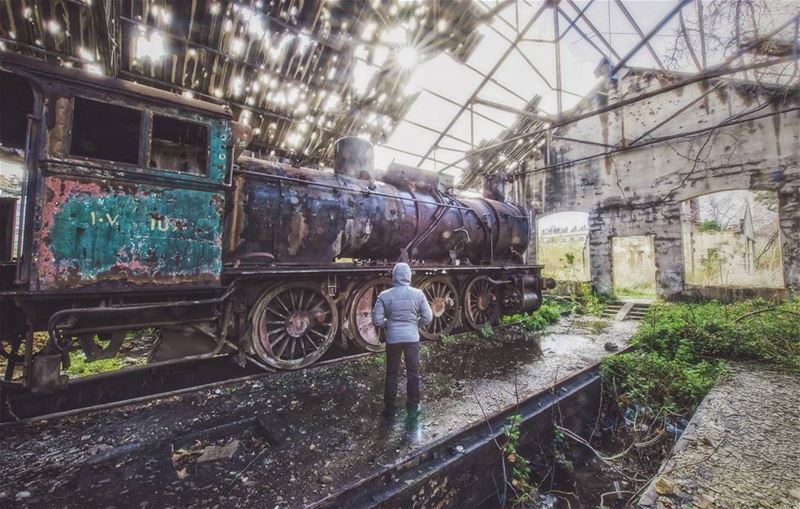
(465, 469)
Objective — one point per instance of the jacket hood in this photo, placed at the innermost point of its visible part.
(401, 275)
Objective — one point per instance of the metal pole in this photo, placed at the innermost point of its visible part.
(557, 44)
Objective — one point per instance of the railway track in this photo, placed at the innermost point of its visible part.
(138, 384)
(465, 468)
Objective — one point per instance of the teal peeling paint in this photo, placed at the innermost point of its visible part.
(220, 149)
(162, 236)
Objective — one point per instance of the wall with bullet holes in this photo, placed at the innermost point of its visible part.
(635, 164)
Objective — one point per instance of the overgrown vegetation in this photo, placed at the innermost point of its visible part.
(710, 226)
(486, 331)
(681, 350)
(448, 339)
(589, 302)
(549, 312)
(524, 490)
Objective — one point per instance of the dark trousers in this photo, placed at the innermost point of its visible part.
(409, 351)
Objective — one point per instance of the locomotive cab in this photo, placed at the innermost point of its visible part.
(123, 185)
(17, 105)
(111, 194)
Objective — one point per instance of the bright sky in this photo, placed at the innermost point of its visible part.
(562, 219)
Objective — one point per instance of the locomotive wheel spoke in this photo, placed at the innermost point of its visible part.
(282, 305)
(286, 340)
(482, 302)
(285, 321)
(311, 340)
(445, 304)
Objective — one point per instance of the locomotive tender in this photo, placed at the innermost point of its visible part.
(138, 209)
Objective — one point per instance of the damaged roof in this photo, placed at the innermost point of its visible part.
(466, 87)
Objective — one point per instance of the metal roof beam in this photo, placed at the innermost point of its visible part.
(496, 66)
(635, 26)
(582, 33)
(646, 38)
(594, 30)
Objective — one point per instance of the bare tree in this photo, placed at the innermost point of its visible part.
(721, 209)
(716, 29)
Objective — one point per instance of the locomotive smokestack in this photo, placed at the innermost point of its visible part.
(354, 157)
(494, 187)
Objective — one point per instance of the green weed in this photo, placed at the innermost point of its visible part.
(589, 302)
(379, 359)
(538, 320)
(79, 366)
(525, 491)
(448, 339)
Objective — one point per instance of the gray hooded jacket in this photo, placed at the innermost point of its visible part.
(402, 309)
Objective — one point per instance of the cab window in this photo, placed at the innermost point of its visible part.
(179, 145)
(105, 131)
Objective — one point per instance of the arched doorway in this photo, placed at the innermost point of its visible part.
(633, 267)
(562, 241)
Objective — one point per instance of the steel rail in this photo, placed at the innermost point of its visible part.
(465, 468)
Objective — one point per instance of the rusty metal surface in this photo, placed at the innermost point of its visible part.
(354, 157)
(304, 216)
(101, 234)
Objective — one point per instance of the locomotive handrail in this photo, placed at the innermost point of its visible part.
(340, 188)
(52, 323)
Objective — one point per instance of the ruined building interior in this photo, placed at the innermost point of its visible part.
(634, 161)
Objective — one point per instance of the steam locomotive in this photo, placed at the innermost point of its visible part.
(139, 209)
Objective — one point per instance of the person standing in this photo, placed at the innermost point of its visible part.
(402, 310)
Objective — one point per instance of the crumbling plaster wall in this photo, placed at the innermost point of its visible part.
(638, 190)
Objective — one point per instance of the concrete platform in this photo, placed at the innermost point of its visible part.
(741, 448)
(287, 439)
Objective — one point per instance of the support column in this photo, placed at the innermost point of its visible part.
(669, 266)
(600, 253)
(789, 224)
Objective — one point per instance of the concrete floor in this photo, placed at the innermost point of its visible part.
(741, 448)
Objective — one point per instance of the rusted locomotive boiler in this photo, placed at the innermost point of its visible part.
(308, 216)
(161, 222)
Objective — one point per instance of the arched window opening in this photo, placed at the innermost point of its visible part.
(732, 239)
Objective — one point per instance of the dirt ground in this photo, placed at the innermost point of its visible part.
(286, 439)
